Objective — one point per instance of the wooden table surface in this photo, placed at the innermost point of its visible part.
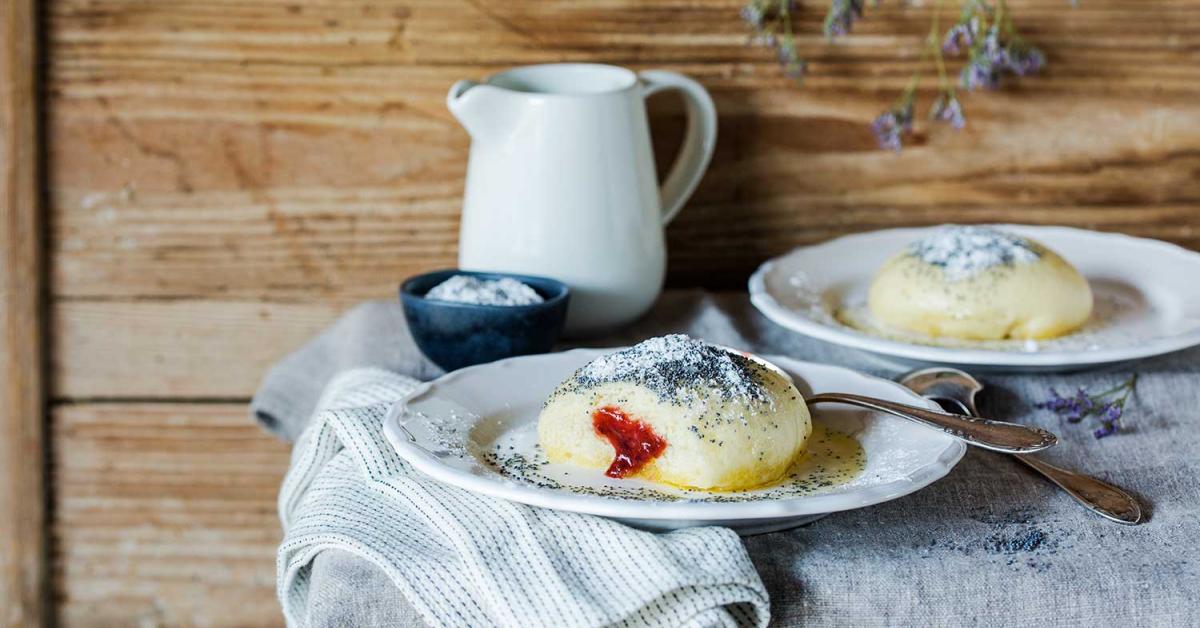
(224, 177)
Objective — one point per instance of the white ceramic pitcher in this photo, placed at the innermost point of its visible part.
(561, 181)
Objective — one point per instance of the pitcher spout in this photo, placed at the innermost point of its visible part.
(473, 104)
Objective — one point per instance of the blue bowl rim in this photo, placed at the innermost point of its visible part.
(560, 292)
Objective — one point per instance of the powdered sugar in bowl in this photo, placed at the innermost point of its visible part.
(460, 318)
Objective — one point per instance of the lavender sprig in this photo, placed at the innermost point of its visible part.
(1110, 419)
(1000, 51)
(841, 16)
(947, 109)
(770, 22)
(993, 59)
(984, 32)
(961, 36)
(1108, 407)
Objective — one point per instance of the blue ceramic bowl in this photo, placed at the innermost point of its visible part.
(454, 335)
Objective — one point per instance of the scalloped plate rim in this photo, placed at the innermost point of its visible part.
(762, 299)
(693, 512)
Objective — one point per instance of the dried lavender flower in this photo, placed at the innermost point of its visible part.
(1110, 419)
(992, 48)
(1024, 60)
(1056, 402)
(754, 14)
(792, 64)
(961, 36)
(1080, 406)
(892, 124)
(770, 21)
(947, 109)
(1072, 408)
(1107, 407)
(993, 56)
(979, 74)
(841, 16)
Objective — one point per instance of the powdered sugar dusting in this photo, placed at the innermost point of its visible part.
(964, 251)
(677, 367)
(446, 433)
(476, 291)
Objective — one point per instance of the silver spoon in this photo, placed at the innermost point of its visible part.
(980, 432)
(959, 388)
(985, 433)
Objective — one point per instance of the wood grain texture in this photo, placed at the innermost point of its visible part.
(295, 150)
(165, 515)
(23, 600)
(188, 349)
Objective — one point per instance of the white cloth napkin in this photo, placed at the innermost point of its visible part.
(466, 560)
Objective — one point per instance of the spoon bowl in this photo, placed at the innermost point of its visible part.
(950, 385)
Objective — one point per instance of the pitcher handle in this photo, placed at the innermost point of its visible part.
(698, 143)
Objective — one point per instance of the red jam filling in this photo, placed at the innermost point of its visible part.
(634, 442)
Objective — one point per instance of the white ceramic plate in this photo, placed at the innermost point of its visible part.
(1147, 300)
(464, 427)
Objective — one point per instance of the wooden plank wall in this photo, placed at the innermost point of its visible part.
(227, 175)
(23, 577)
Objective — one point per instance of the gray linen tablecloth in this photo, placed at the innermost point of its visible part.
(990, 544)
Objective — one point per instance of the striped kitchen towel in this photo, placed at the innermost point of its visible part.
(462, 559)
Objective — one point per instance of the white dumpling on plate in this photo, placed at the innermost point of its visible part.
(679, 411)
(978, 283)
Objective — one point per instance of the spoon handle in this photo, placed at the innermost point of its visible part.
(995, 435)
(1102, 498)
(1098, 496)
